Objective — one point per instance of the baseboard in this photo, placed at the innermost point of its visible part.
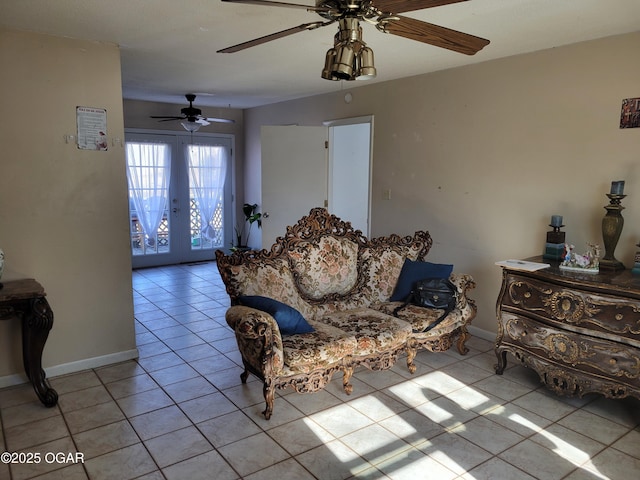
(72, 367)
(11, 380)
(480, 333)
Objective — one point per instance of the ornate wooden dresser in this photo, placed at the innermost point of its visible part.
(580, 332)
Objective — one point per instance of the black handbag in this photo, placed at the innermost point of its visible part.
(438, 293)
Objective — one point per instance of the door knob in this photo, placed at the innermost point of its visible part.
(265, 215)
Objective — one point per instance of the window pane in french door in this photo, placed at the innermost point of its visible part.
(207, 167)
(149, 175)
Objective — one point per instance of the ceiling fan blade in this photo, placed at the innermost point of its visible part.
(166, 119)
(401, 6)
(274, 36)
(270, 3)
(219, 120)
(433, 35)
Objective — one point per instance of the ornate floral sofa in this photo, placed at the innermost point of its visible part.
(318, 302)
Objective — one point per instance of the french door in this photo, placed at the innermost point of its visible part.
(179, 197)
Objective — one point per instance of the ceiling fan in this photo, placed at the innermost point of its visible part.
(191, 118)
(350, 58)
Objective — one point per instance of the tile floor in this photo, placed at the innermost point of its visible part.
(180, 412)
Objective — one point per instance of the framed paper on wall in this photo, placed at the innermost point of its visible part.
(92, 128)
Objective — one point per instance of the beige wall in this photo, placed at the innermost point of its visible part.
(63, 211)
(482, 156)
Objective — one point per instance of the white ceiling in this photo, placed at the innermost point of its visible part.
(169, 47)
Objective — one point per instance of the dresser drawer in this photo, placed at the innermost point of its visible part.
(594, 312)
(588, 354)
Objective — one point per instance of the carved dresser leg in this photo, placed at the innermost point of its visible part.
(502, 361)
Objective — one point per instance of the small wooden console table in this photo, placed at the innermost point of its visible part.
(579, 331)
(26, 300)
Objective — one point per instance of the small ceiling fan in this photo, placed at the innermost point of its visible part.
(350, 58)
(192, 118)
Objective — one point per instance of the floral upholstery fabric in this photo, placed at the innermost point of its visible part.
(251, 327)
(382, 268)
(328, 308)
(328, 266)
(418, 317)
(325, 346)
(271, 279)
(374, 331)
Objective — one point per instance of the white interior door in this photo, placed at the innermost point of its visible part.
(350, 171)
(294, 176)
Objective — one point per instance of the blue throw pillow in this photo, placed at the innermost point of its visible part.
(289, 320)
(412, 271)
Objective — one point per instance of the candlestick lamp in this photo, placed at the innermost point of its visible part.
(554, 247)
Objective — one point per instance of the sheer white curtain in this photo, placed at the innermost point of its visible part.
(207, 172)
(148, 173)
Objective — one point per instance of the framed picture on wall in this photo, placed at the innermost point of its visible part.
(630, 113)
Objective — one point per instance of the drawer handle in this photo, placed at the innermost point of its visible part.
(567, 306)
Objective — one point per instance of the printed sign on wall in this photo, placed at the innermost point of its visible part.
(92, 128)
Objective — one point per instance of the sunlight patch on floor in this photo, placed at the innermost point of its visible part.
(564, 449)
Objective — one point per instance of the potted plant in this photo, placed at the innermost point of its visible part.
(250, 217)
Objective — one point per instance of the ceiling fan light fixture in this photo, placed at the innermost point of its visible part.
(350, 58)
(190, 126)
(366, 69)
(344, 63)
(330, 59)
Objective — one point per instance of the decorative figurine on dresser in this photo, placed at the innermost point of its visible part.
(579, 331)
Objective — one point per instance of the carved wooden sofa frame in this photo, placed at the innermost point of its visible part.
(350, 311)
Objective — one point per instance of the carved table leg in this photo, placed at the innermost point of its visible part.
(36, 324)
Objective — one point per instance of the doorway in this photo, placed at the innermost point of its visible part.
(179, 197)
(305, 167)
(349, 186)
